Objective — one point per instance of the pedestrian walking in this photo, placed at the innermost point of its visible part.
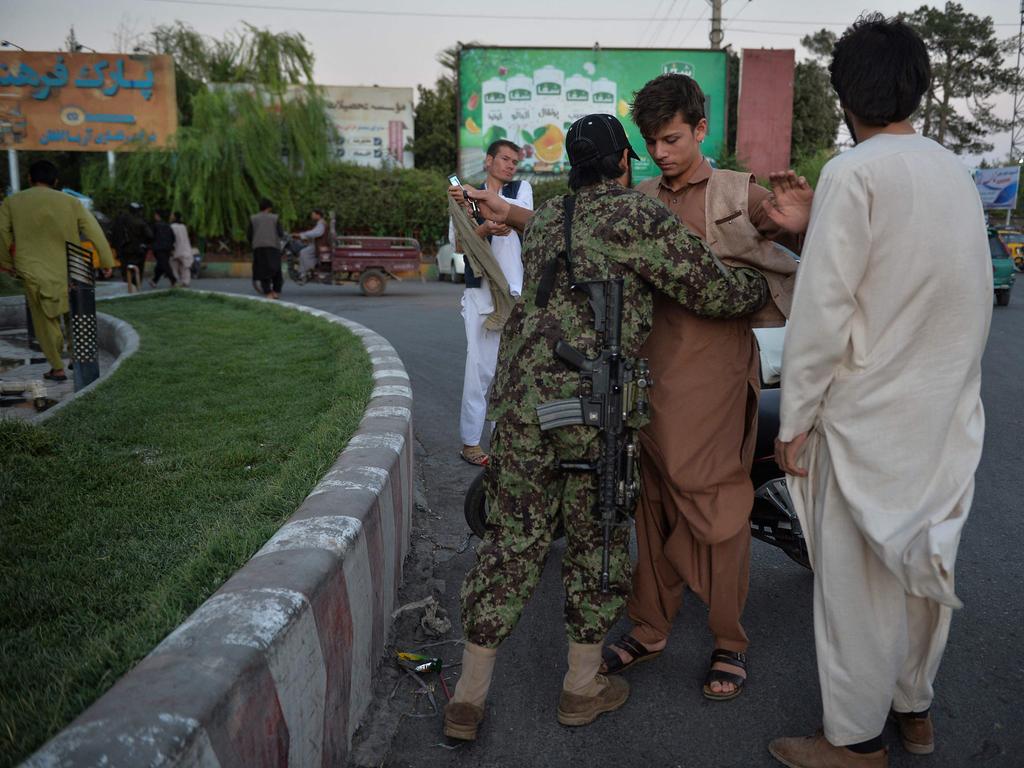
(182, 256)
(38, 223)
(163, 247)
(265, 235)
(131, 237)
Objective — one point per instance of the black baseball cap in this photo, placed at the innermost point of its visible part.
(595, 136)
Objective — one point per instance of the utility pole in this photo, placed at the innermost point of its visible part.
(1017, 126)
(716, 24)
(1017, 129)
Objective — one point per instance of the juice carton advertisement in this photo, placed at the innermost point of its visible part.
(531, 96)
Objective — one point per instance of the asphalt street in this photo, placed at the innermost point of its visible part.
(666, 722)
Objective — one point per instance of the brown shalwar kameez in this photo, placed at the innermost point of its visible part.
(692, 521)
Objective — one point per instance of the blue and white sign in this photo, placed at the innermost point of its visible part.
(998, 187)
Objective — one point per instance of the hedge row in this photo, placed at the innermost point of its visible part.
(365, 201)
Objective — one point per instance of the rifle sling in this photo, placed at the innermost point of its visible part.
(547, 279)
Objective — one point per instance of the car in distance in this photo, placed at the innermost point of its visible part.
(1002, 268)
(451, 265)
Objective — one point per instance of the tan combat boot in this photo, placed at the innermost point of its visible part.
(917, 732)
(585, 693)
(817, 752)
(465, 711)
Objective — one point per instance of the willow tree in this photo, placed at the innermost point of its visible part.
(240, 147)
(256, 123)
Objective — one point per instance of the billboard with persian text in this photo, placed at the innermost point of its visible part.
(374, 124)
(86, 102)
(532, 95)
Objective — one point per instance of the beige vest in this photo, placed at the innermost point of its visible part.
(733, 238)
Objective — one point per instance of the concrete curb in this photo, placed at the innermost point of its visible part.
(112, 334)
(276, 667)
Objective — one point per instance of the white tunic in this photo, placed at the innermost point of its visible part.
(883, 351)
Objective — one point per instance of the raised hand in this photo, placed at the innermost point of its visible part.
(492, 205)
(789, 204)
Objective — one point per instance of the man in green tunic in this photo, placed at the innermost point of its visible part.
(37, 223)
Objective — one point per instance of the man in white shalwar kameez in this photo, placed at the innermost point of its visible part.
(500, 162)
(882, 422)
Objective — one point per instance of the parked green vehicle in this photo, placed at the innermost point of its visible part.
(1002, 268)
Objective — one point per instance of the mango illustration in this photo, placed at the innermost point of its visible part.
(549, 144)
(623, 108)
(471, 125)
(473, 101)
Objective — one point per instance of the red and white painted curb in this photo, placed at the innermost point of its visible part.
(275, 668)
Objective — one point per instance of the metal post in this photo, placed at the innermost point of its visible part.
(1008, 212)
(111, 163)
(12, 166)
(82, 298)
(716, 25)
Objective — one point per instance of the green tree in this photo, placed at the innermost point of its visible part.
(245, 132)
(435, 130)
(816, 114)
(236, 151)
(272, 60)
(435, 120)
(967, 66)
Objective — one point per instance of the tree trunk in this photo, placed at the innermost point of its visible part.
(944, 112)
(929, 102)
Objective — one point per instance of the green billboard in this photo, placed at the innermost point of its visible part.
(532, 95)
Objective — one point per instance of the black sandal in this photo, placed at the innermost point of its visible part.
(51, 376)
(736, 659)
(613, 663)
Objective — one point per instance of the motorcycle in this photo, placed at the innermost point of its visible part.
(773, 519)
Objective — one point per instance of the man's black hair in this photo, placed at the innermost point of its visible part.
(591, 172)
(319, 211)
(880, 70)
(43, 172)
(265, 204)
(495, 147)
(176, 218)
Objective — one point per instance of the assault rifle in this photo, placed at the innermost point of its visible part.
(611, 388)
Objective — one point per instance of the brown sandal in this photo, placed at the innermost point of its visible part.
(477, 459)
(612, 663)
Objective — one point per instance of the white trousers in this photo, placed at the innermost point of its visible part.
(878, 647)
(181, 268)
(481, 360)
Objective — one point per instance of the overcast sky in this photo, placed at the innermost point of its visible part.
(395, 42)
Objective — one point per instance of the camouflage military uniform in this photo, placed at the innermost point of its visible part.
(617, 232)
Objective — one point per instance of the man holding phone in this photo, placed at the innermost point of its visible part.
(500, 163)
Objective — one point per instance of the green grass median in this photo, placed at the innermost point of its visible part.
(120, 515)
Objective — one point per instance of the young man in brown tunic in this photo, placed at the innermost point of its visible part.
(692, 521)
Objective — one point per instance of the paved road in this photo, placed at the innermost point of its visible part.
(978, 710)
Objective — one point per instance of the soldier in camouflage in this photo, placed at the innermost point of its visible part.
(616, 233)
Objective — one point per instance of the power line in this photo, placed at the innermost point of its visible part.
(650, 22)
(725, 27)
(679, 21)
(658, 28)
(490, 16)
(692, 27)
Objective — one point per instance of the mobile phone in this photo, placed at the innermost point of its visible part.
(453, 179)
